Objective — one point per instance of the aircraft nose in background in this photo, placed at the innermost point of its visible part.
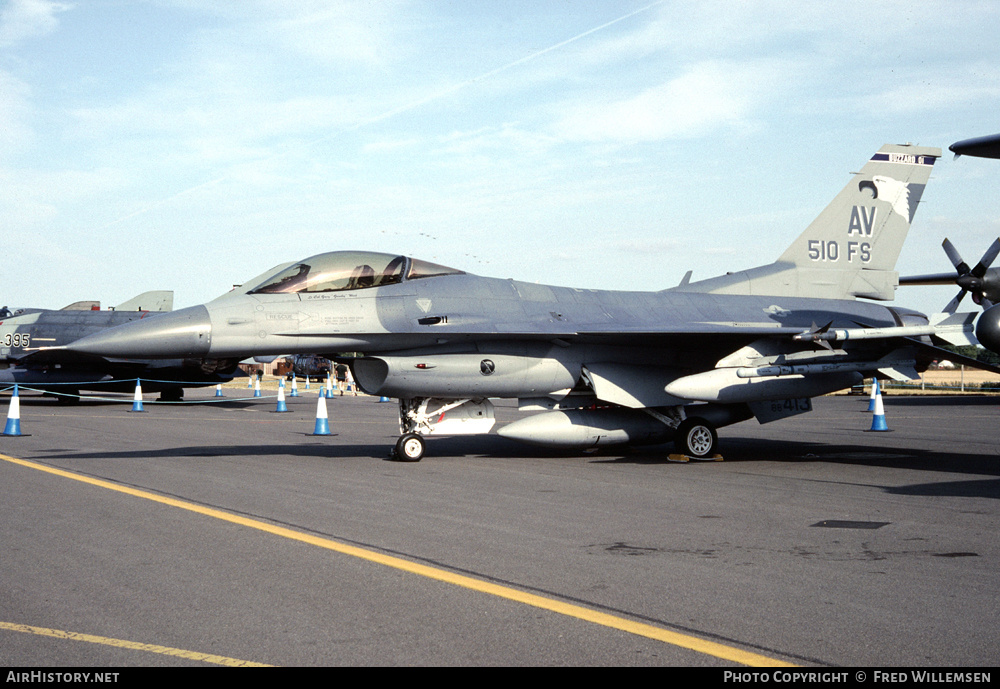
(179, 334)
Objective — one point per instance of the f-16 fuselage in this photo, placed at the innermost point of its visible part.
(608, 366)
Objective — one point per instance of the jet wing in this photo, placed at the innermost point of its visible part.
(981, 147)
(929, 353)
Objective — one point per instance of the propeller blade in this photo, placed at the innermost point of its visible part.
(971, 280)
(953, 304)
(987, 259)
(956, 260)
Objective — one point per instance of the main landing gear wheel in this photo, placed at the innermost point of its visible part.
(696, 438)
(172, 394)
(410, 448)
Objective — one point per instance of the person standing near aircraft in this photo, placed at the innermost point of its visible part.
(341, 370)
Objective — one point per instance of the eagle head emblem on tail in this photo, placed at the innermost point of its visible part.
(895, 192)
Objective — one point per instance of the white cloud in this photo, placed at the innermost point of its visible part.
(707, 96)
(15, 115)
(507, 140)
(24, 19)
(337, 34)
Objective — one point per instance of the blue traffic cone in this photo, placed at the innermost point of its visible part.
(322, 421)
(137, 398)
(256, 388)
(875, 393)
(281, 396)
(878, 419)
(218, 390)
(295, 387)
(13, 426)
(250, 382)
(383, 398)
(307, 382)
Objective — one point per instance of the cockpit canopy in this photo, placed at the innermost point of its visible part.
(347, 270)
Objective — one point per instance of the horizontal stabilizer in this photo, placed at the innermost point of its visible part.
(82, 306)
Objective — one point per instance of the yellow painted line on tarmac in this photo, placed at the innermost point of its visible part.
(648, 631)
(131, 645)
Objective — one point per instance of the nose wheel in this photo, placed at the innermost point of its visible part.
(410, 448)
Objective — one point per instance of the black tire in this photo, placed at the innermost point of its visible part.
(410, 447)
(172, 394)
(696, 438)
(68, 396)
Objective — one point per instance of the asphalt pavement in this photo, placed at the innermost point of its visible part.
(223, 532)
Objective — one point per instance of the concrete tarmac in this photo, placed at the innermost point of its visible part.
(224, 533)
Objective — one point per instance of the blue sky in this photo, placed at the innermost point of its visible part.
(190, 145)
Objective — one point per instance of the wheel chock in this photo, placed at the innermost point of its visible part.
(685, 458)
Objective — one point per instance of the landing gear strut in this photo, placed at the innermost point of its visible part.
(423, 416)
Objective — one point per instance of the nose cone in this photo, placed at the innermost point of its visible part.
(175, 335)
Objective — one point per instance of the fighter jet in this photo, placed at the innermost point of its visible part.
(602, 367)
(24, 333)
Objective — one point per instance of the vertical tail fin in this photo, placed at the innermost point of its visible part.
(158, 300)
(850, 250)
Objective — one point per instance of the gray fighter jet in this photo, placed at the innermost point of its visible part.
(603, 367)
(24, 333)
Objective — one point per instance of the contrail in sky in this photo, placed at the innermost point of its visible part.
(395, 111)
